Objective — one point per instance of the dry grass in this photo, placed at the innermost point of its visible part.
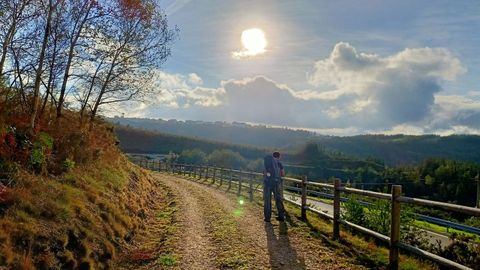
(57, 217)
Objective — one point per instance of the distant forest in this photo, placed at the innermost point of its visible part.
(393, 150)
(434, 178)
(144, 141)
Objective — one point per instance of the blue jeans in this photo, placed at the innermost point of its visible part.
(268, 189)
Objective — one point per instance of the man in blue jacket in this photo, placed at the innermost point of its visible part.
(272, 183)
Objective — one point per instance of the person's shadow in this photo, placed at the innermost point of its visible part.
(282, 254)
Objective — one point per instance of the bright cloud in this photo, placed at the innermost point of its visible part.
(399, 88)
(193, 78)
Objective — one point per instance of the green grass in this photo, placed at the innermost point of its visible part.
(443, 230)
(167, 260)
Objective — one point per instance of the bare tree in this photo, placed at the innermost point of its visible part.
(135, 40)
(50, 8)
(12, 16)
(98, 51)
(80, 14)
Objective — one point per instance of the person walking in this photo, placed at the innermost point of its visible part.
(272, 184)
(277, 157)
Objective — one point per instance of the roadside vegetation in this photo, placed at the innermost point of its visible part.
(464, 249)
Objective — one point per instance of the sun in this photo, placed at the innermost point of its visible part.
(254, 41)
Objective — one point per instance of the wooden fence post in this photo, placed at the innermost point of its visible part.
(304, 198)
(200, 168)
(206, 173)
(214, 176)
(194, 167)
(336, 208)
(395, 227)
(250, 187)
(230, 179)
(239, 184)
(221, 176)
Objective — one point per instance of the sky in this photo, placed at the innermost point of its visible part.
(336, 67)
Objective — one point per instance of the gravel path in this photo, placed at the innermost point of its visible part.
(194, 245)
(216, 231)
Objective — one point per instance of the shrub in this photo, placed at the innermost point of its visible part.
(40, 151)
(226, 158)
(354, 211)
(68, 164)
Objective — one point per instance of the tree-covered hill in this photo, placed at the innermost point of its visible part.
(392, 149)
(143, 141)
(404, 149)
(236, 133)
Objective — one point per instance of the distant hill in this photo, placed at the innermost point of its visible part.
(310, 160)
(237, 133)
(392, 149)
(144, 141)
(404, 150)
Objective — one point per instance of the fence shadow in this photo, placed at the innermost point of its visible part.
(282, 254)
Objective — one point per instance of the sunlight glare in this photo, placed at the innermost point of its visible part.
(254, 41)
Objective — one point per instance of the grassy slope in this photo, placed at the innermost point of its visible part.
(79, 219)
(82, 216)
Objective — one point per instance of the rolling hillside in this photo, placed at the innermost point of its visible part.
(392, 149)
(142, 141)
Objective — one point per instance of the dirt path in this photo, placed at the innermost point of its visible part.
(216, 231)
(194, 245)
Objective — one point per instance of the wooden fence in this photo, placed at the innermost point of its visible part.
(244, 179)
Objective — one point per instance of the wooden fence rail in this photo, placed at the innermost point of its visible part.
(395, 198)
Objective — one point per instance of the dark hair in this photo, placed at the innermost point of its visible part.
(276, 154)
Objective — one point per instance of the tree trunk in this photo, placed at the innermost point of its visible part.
(11, 33)
(73, 43)
(40, 65)
(87, 98)
(50, 76)
(5, 43)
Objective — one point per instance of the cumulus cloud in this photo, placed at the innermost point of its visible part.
(398, 89)
(193, 78)
(455, 111)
